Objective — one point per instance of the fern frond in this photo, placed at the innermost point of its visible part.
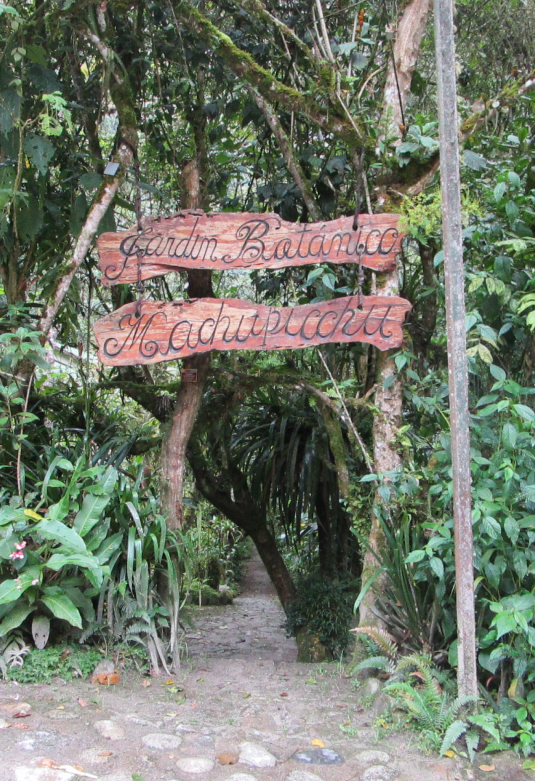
(381, 638)
(472, 743)
(453, 733)
(377, 663)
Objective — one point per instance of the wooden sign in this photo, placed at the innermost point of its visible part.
(166, 331)
(188, 375)
(193, 239)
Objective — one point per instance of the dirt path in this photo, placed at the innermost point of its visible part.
(241, 699)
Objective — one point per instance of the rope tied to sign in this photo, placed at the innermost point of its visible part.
(140, 285)
(358, 201)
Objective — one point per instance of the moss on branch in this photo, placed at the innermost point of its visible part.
(244, 66)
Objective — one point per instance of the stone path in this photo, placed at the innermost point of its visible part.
(241, 710)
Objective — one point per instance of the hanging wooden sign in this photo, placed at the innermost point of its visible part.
(193, 239)
(166, 331)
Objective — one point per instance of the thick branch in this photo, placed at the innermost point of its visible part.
(123, 98)
(477, 120)
(291, 161)
(244, 66)
(406, 49)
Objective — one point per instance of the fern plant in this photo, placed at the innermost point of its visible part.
(381, 641)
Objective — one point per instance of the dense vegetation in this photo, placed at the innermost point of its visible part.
(335, 462)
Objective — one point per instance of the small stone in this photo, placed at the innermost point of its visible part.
(372, 757)
(256, 756)
(302, 775)
(370, 688)
(161, 741)
(377, 773)
(319, 756)
(241, 777)
(109, 729)
(137, 720)
(195, 765)
(42, 774)
(228, 758)
(62, 715)
(4, 724)
(95, 756)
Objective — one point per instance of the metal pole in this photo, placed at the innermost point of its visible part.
(456, 332)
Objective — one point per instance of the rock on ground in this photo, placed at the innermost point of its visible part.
(161, 741)
(109, 729)
(256, 756)
(371, 757)
(195, 765)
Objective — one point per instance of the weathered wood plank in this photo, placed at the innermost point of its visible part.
(223, 241)
(166, 331)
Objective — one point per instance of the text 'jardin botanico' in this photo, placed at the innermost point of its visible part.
(153, 331)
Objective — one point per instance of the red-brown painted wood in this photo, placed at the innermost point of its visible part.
(166, 331)
(193, 239)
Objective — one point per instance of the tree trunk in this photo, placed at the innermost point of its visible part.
(386, 424)
(405, 50)
(188, 401)
(237, 504)
(277, 570)
(389, 400)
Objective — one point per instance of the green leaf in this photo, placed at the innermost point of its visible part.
(94, 504)
(437, 566)
(525, 412)
(61, 606)
(15, 618)
(514, 179)
(40, 151)
(59, 560)
(504, 623)
(497, 372)
(509, 435)
(108, 547)
(499, 191)
(415, 556)
(10, 591)
(59, 532)
(474, 161)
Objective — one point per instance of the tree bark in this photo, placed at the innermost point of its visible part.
(386, 424)
(401, 67)
(230, 493)
(188, 401)
(389, 400)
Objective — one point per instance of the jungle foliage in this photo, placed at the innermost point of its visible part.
(286, 448)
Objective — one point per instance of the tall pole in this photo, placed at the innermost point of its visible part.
(456, 331)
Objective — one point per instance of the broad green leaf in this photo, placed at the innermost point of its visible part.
(60, 560)
(497, 372)
(15, 618)
(59, 532)
(108, 547)
(525, 412)
(40, 151)
(415, 556)
(499, 191)
(504, 623)
(61, 606)
(474, 161)
(90, 512)
(10, 591)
